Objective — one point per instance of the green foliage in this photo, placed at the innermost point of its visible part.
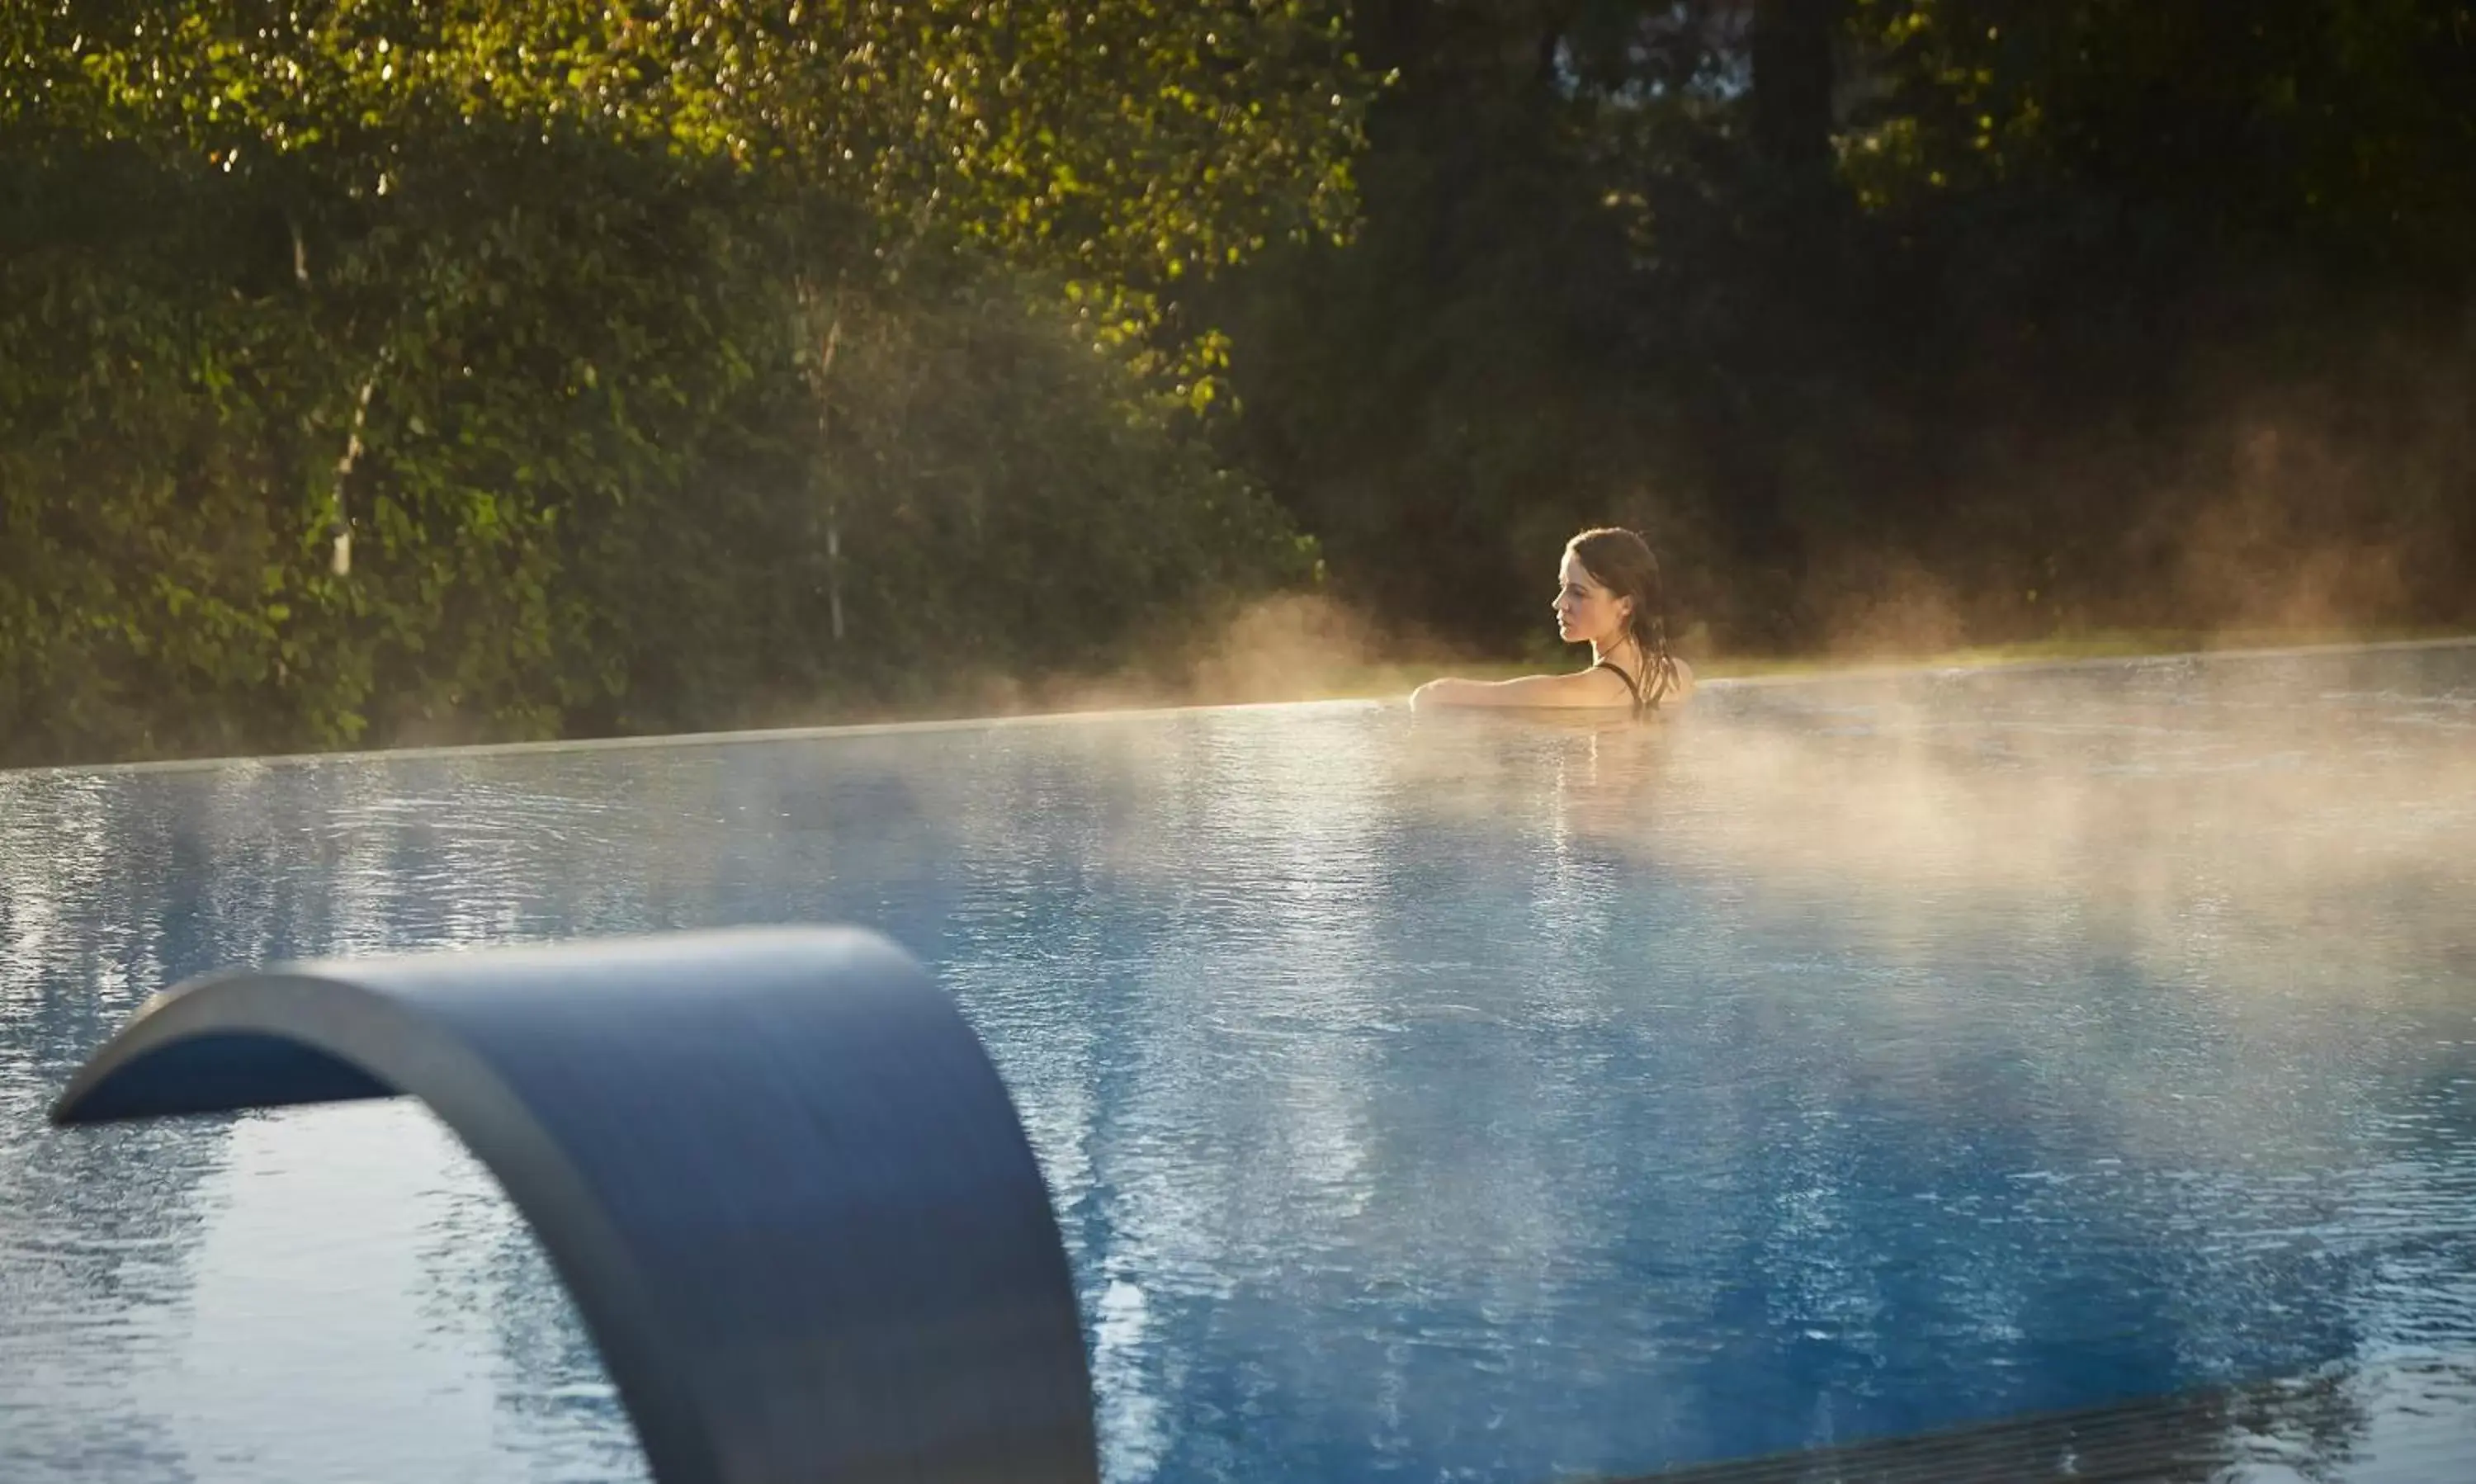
(997, 500)
(372, 370)
(2042, 314)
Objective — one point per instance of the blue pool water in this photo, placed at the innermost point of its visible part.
(1463, 1099)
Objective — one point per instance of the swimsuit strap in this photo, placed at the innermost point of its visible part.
(1663, 672)
(1630, 684)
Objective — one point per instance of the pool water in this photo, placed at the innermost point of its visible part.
(1465, 1098)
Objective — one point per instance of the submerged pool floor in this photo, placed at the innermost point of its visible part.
(1422, 1099)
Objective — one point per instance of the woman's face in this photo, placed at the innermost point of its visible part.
(1586, 612)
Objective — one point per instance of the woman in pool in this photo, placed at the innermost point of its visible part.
(1609, 597)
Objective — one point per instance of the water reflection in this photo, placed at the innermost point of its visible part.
(2345, 1422)
(95, 1267)
(1478, 1098)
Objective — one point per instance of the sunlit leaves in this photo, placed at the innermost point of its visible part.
(1113, 138)
(504, 293)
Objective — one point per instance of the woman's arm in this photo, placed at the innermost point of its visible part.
(1582, 688)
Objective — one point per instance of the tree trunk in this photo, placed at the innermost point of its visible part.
(1791, 57)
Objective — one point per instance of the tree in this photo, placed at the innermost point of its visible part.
(1992, 301)
(370, 363)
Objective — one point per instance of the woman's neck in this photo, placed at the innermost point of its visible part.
(1603, 652)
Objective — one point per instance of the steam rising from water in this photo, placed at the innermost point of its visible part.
(1508, 1096)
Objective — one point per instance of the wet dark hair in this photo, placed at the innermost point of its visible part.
(1620, 562)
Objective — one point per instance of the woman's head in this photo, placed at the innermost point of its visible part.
(1608, 589)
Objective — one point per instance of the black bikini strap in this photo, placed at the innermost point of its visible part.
(1631, 684)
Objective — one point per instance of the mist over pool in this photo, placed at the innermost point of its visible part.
(1421, 1097)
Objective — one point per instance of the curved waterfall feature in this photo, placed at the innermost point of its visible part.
(775, 1168)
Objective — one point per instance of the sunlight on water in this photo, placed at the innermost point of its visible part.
(1477, 1098)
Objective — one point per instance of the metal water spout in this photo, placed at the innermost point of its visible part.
(774, 1167)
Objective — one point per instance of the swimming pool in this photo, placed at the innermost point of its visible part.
(1422, 1099)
